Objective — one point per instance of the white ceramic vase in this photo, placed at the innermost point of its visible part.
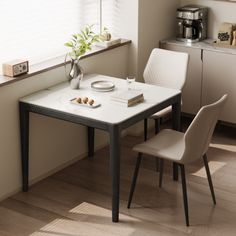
(75, 75)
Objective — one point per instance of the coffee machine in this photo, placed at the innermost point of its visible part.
(192, 23)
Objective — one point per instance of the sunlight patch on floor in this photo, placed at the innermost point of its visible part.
(91, 209)
(45, 233)
(96, 221)
(214, 167)
(226, 147)
(62, 227)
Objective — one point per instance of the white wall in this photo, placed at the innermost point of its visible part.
(145, 22)
(157, 21)
(53, 143)
(219, 11)
(128, 28)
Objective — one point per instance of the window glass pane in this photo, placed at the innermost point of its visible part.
(110, 16)
(36, 30)
(90, 13)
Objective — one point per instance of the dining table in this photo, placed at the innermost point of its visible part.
(110, 116)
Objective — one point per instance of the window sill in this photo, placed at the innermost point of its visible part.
(55, 63)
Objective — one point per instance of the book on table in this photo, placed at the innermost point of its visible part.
(129, 98)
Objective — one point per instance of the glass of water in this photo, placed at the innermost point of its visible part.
(130, 82)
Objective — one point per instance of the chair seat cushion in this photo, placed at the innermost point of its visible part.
(168, 144)
(162, 113)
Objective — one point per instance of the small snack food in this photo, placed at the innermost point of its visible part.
(90, 102)
(79, 100)
(85, 100)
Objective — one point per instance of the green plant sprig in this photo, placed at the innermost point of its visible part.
(82, 42)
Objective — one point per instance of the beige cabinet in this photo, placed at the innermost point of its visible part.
(191, 94)
(211, 73)
(219, 77)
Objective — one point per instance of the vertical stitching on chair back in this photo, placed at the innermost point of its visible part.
(200, 131)
(166, 68)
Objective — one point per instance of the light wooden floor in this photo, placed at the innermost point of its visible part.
(76, 200)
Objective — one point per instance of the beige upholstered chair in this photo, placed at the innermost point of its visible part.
(183, 148)
(166, 69)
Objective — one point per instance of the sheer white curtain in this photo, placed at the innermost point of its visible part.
(90, 13)
(36, 30)
(111, 15)
(101, 13)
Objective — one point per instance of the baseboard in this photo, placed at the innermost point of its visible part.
(51, 172)
(64, 165)
(55, 170)
(5, 196)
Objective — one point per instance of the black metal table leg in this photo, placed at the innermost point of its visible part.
(24, 134)
(176, 123)
(175, 172)
(90, 141)
(145, 123)
(114, 132)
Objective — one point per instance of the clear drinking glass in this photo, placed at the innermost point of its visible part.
(130, 82)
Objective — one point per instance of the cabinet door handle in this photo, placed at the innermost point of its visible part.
(202, 55)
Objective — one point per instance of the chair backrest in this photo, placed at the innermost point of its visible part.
(199, 133)
(166, 68)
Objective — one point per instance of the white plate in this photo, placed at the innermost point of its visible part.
(102, 86)
(95, 105)
(103, 90)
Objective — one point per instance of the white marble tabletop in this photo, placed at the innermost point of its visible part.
(58, 98)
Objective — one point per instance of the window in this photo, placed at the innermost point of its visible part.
(36, 30)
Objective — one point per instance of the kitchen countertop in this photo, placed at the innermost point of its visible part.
(205, 45)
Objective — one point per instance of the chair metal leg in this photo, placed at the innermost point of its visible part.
(145, 129)
(175, 172)
(139, 158)
(157, 125)
(161, 172)
(209, 178)
(157, 129)
(185, 197)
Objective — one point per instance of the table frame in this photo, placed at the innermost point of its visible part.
(114, 131)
